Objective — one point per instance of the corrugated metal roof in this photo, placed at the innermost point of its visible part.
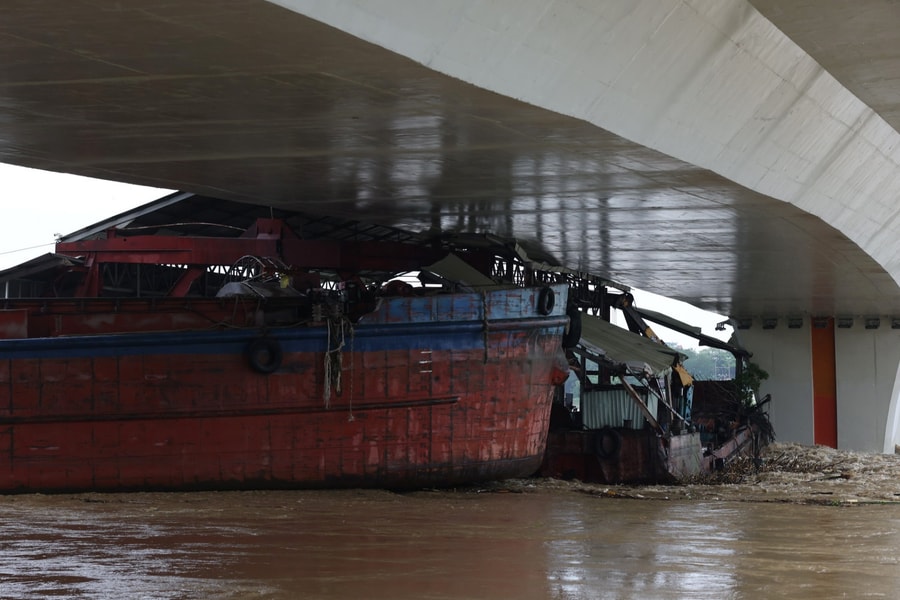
(187, 214)
(35, 266)
(622, 346)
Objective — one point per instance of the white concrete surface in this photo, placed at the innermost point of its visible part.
(710, 82)
(866, 374)
(892, 426)
(786, 355)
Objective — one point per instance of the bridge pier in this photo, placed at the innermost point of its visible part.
(834, 382)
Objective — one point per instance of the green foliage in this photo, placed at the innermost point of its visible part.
(749, 381)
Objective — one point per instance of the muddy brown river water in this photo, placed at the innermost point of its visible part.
(532, 543)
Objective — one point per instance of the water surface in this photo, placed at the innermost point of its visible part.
(440, 545)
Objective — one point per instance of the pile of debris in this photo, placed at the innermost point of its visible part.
(784, 472)
(794, 473)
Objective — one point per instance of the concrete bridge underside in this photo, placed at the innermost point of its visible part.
(741, 156)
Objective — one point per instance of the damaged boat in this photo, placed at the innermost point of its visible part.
(140, 359)
(640, 417)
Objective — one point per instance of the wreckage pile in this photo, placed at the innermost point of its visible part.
(791, 473)
(795, 473)
(779, 460)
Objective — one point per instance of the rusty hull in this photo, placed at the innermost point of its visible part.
(425, 391)
(634, 456)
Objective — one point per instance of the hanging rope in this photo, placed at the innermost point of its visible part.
(350, 417)
(484, 318)
(337, 328)
(334, 345)
(326, 392)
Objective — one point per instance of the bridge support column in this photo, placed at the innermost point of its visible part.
(834, 382)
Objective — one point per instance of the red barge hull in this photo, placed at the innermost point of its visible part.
(133, 394)
(263, 360)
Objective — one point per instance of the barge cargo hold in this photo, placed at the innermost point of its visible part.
(302, 369)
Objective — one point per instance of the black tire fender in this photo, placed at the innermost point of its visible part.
(608, 443)
(546, 300)
(264, 355)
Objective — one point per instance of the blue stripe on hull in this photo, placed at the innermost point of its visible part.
(400, 324)
(436, 336)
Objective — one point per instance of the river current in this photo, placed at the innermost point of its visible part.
(448, 545)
